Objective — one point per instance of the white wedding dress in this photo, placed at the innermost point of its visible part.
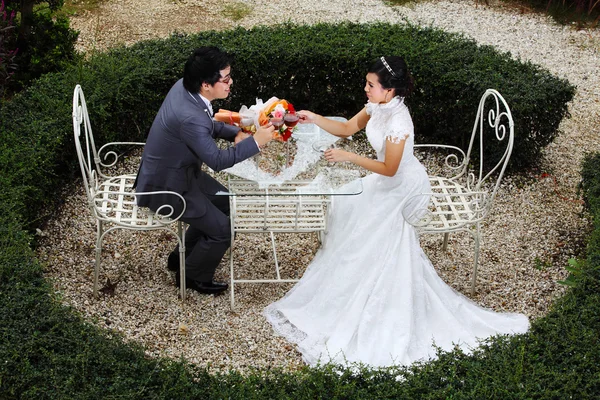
(370, 294)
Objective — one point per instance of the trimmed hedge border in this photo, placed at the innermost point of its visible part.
(48, 351)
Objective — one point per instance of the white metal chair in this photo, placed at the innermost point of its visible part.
(463, 200)
(111, 199)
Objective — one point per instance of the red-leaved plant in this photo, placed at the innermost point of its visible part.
(581, 6)
(581, 12)
(7, 56)
(575, 10)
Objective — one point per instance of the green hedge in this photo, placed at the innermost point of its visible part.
(47, 351)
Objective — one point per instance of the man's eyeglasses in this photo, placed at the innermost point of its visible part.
(226, 79)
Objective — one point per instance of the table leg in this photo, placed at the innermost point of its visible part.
(287, 153)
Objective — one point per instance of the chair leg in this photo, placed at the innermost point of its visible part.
(232, 216)
(476, 235)
(275, 255)
(181, 234)
(445, 244)
(98, 255)
(231, 283)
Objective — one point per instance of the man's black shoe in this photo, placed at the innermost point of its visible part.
(202, 287)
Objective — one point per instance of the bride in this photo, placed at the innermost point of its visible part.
(371, 295)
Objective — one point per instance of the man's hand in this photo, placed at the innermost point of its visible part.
(241, 135)
(264, 134)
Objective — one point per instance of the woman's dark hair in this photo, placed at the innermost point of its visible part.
(393, 74)
(204, 66)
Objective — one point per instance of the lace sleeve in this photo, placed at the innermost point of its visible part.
(398, 130)
(396, 137)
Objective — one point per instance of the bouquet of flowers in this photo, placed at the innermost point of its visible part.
(280, 113)
(283, 117)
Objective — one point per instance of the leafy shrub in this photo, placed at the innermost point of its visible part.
(50, 48)
(324, 70)
(590, 186)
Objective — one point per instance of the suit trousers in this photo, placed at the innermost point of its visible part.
(207, 239)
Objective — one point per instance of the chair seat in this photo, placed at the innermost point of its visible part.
(452, 206)
(115, 202)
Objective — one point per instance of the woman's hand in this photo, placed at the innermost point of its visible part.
(337, 155)
(307, 117)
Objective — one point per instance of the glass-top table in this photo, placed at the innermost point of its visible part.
(328, 182)
(297, 200)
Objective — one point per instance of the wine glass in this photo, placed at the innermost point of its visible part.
(322, 145)
(291, 119)
(277, 123)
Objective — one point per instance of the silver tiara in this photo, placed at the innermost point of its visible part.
(388, 66)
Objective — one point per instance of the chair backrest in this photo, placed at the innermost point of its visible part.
(494, 119)
(84, 144)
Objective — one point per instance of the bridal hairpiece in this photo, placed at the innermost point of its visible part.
(388, 66)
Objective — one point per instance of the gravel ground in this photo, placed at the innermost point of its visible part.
(536, 226)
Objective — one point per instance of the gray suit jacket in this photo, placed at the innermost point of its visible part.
(181, 139)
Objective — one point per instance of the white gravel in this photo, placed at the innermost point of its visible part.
(535, 228)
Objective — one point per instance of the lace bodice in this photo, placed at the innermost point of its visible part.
(390, 121)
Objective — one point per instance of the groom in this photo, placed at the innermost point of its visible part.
(180, 140)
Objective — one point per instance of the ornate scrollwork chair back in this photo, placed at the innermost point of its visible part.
(84, 145)
(494, 119)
